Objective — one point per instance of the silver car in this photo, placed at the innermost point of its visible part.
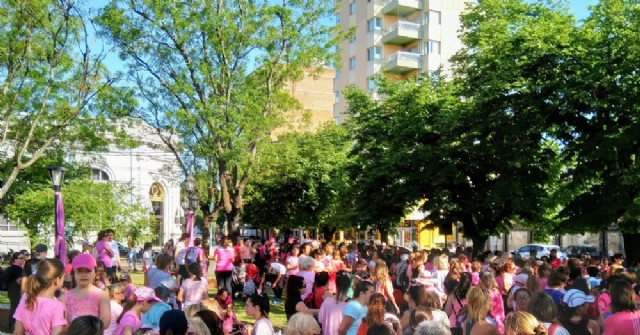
(540, 249)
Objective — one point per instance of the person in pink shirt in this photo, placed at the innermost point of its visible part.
(194, 289)
(86, 298)
(131, 319)
(104, 253)
(626, 316)
(223, 257)
(39, 312)
(330, 314)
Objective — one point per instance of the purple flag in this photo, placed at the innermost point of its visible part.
(61, 243)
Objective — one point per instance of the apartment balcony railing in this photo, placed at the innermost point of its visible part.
(402, 62)
(401, 8)
(402, 33)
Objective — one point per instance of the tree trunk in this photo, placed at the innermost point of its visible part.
(328, 233)
(631, 246)
(384, 235)
(234, 218)
(479, 243)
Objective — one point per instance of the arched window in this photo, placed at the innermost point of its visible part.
(99, 174)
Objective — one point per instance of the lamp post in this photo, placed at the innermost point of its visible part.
(56, 174)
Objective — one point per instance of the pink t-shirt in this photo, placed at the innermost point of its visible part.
(47, 314)
(330, 315)
(622, 323)
(103, 255)
(89, 305)
(116, 310)
(309, 279)
(224, 259)
(194, 291)
(130, 319)
(292, 261)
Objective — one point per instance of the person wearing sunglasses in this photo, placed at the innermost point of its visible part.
(13, 279)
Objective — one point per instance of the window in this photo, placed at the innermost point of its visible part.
(337, 74)
(337, 19)
(434, 17)
(352, 38)
(371, 84)
(374, 53)
(7, 225)
(352, 8)
(433, 47)
(337, 97)
(352, 63)
(99, 175)
(374, 24)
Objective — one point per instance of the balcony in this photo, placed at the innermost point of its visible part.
(402, 62)
(401, 33)
(401, 8)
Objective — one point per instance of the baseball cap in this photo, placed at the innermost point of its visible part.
(125, 276)
(41, 248)
(173, 320)
(575, 298)
(521, 278)
(84, 261)
(145, 294)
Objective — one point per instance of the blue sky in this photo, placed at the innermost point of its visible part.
(580, 8)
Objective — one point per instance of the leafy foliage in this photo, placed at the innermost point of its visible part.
(89, 207)
(301, 181)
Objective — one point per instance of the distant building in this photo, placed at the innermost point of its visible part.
(400, 38)
(150, 168)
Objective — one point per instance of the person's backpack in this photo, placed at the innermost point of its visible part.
(191, 256)
(402, 280)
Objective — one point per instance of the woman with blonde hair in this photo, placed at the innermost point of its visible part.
(523, 323)
(383, 285)
(441, 272)
(488, 282)
(302, 324)
(478, 321)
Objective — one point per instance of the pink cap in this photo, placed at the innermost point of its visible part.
(84, 261)
(145, 294)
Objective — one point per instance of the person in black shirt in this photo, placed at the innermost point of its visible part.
(31, 265)
(13, 278)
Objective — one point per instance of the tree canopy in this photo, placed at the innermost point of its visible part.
(212, 73)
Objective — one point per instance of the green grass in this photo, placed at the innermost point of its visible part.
(4, 299)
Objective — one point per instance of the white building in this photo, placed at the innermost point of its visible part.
(151, 169)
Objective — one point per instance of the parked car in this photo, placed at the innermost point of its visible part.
(124, 251)
(541, 250)
(579, 250)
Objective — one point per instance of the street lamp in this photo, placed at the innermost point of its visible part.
(190, 202)
(56, 173)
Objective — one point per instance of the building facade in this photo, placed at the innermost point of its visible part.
(400, 38)
(151, 171)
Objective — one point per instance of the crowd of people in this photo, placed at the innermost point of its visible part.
(326, 288)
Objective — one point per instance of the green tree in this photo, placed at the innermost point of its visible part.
(53, 84)
(601, 124)
(211, 77)
(88, 206)
(301, 182)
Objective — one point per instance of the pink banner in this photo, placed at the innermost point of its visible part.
(61, 243)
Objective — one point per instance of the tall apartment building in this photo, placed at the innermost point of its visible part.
(401, 38)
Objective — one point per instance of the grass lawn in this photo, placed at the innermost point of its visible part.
(277, 315)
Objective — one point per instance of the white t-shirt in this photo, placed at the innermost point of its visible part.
(559, 330)
(116, 253)
(277, 267)
(263, 327)
(147, 257)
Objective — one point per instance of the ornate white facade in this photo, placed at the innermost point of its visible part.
(150, 168)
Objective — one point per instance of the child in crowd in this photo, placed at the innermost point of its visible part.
(101, 280)
(116, 293)
(147, 257)
(86, 298)
(253, 275)
(151, 318)
(229, 319)
(223, 298)
(129, 288)
(193, 289)
(39, 312)
(131, 319)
